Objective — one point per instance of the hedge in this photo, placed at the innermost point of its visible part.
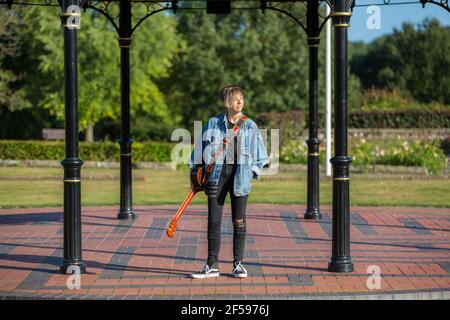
(427, 154)
(405, 119)
(90, 151)
(400, 119)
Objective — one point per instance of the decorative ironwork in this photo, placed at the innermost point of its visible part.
(153, 8)
(287, 8)
(350, 3)
(103, 8)
(324, 18)
(441, 3)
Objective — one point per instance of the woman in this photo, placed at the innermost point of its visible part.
(241, 161)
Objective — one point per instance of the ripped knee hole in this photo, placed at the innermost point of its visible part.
(239, 224)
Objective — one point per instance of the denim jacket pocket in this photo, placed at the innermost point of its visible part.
(245, 158)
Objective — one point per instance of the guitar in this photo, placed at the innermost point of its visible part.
(199, 178)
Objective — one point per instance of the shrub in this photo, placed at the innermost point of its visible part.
(33, 150)
(383, 100)
(92, 151)
(415, 153)
(400, 119)
(296, 151)
(386, 152)
(291, 124)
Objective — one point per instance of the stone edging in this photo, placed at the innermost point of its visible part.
(377, 168)
(173, 166)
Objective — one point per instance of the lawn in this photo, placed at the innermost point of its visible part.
(39, 187)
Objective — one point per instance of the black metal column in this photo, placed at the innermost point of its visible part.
(313, 210)
(71, 164)
(126, 204)
(340, 260)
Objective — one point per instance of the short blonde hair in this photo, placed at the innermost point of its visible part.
(228, 92)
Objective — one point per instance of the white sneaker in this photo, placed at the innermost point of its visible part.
(239, 270)
(206, 272)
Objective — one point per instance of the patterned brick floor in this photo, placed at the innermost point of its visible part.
(286, 255)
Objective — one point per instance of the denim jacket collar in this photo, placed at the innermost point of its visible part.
(223, 115)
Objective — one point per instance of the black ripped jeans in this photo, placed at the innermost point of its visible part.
(215, 209)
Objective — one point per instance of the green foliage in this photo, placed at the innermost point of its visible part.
(154, 44)
(89, 151)
(293, 123)
(383, 100)
(180, 62)
(296, 151)
(427, 154)
(399, 153)
(150, 151)
(99, 151)
(266, 55)
(415, 61)
(386, 100)
(25, 123)
(290, 124)
(9, 48)
(400, 119)
(33, 150)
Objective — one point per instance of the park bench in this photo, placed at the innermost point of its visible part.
(53, 134)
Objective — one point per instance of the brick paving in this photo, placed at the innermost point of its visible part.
(286, 255)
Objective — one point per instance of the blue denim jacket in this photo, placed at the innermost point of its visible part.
(252, 154)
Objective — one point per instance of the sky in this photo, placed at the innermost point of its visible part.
(391, 16)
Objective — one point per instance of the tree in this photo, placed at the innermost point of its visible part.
(154, 44)
(409, 60)
(264, 54)
(429, 74)
(9, 48)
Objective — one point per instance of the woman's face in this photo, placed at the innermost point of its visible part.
(236, 103)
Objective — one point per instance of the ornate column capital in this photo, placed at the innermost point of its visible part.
(341, 13)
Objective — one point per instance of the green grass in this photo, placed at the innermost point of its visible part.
(171, 187)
